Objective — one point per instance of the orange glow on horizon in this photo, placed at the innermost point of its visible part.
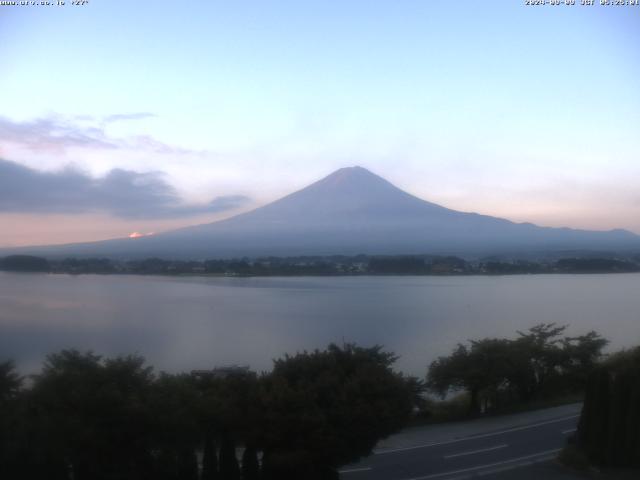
(139, 235)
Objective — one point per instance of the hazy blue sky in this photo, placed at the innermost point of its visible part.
(531, 113)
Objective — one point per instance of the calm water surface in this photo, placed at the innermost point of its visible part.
(196, 322)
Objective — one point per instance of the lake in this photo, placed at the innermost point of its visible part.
(181, 323)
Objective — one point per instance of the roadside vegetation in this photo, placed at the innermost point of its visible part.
(608, 433)
(539, 367)
(84, 417)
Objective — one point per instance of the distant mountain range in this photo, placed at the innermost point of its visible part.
(348, 212)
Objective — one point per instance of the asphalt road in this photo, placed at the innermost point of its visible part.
(480, 454)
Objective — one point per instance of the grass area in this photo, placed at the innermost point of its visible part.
(540, 404)
(456, 409)
(575, 459)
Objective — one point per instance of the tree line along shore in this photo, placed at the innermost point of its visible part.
(85, 417)
(323, 266)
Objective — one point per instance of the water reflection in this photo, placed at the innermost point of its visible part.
(197, 322)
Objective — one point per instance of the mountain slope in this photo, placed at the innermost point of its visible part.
(348, 212)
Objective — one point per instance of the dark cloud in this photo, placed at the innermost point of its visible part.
(123, 193)
(57, 134)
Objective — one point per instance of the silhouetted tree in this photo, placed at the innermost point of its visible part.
(538, 362)
(231, 411)
(187, 464)
(89, 418)
(328, 408)
(480, 369)
(10, 382)
(12, 428)
(209, 458)
(229, 468)
(177, 429)
(397, 265)
(609, 427)
(250, 465)
(92, 415)
(24, 263)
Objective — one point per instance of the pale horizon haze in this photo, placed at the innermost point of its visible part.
(120, 117)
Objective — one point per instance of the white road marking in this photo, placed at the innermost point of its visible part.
(488, 449)
(466, 439)
(506, 468)
(354, 470)
(566, 432)
(489, 465)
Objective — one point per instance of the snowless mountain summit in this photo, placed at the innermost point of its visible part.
(348, 212)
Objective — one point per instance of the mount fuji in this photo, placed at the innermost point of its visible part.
(351, 211)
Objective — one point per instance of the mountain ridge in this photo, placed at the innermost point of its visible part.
(350, 211)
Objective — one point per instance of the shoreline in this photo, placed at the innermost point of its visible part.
(315, 275)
